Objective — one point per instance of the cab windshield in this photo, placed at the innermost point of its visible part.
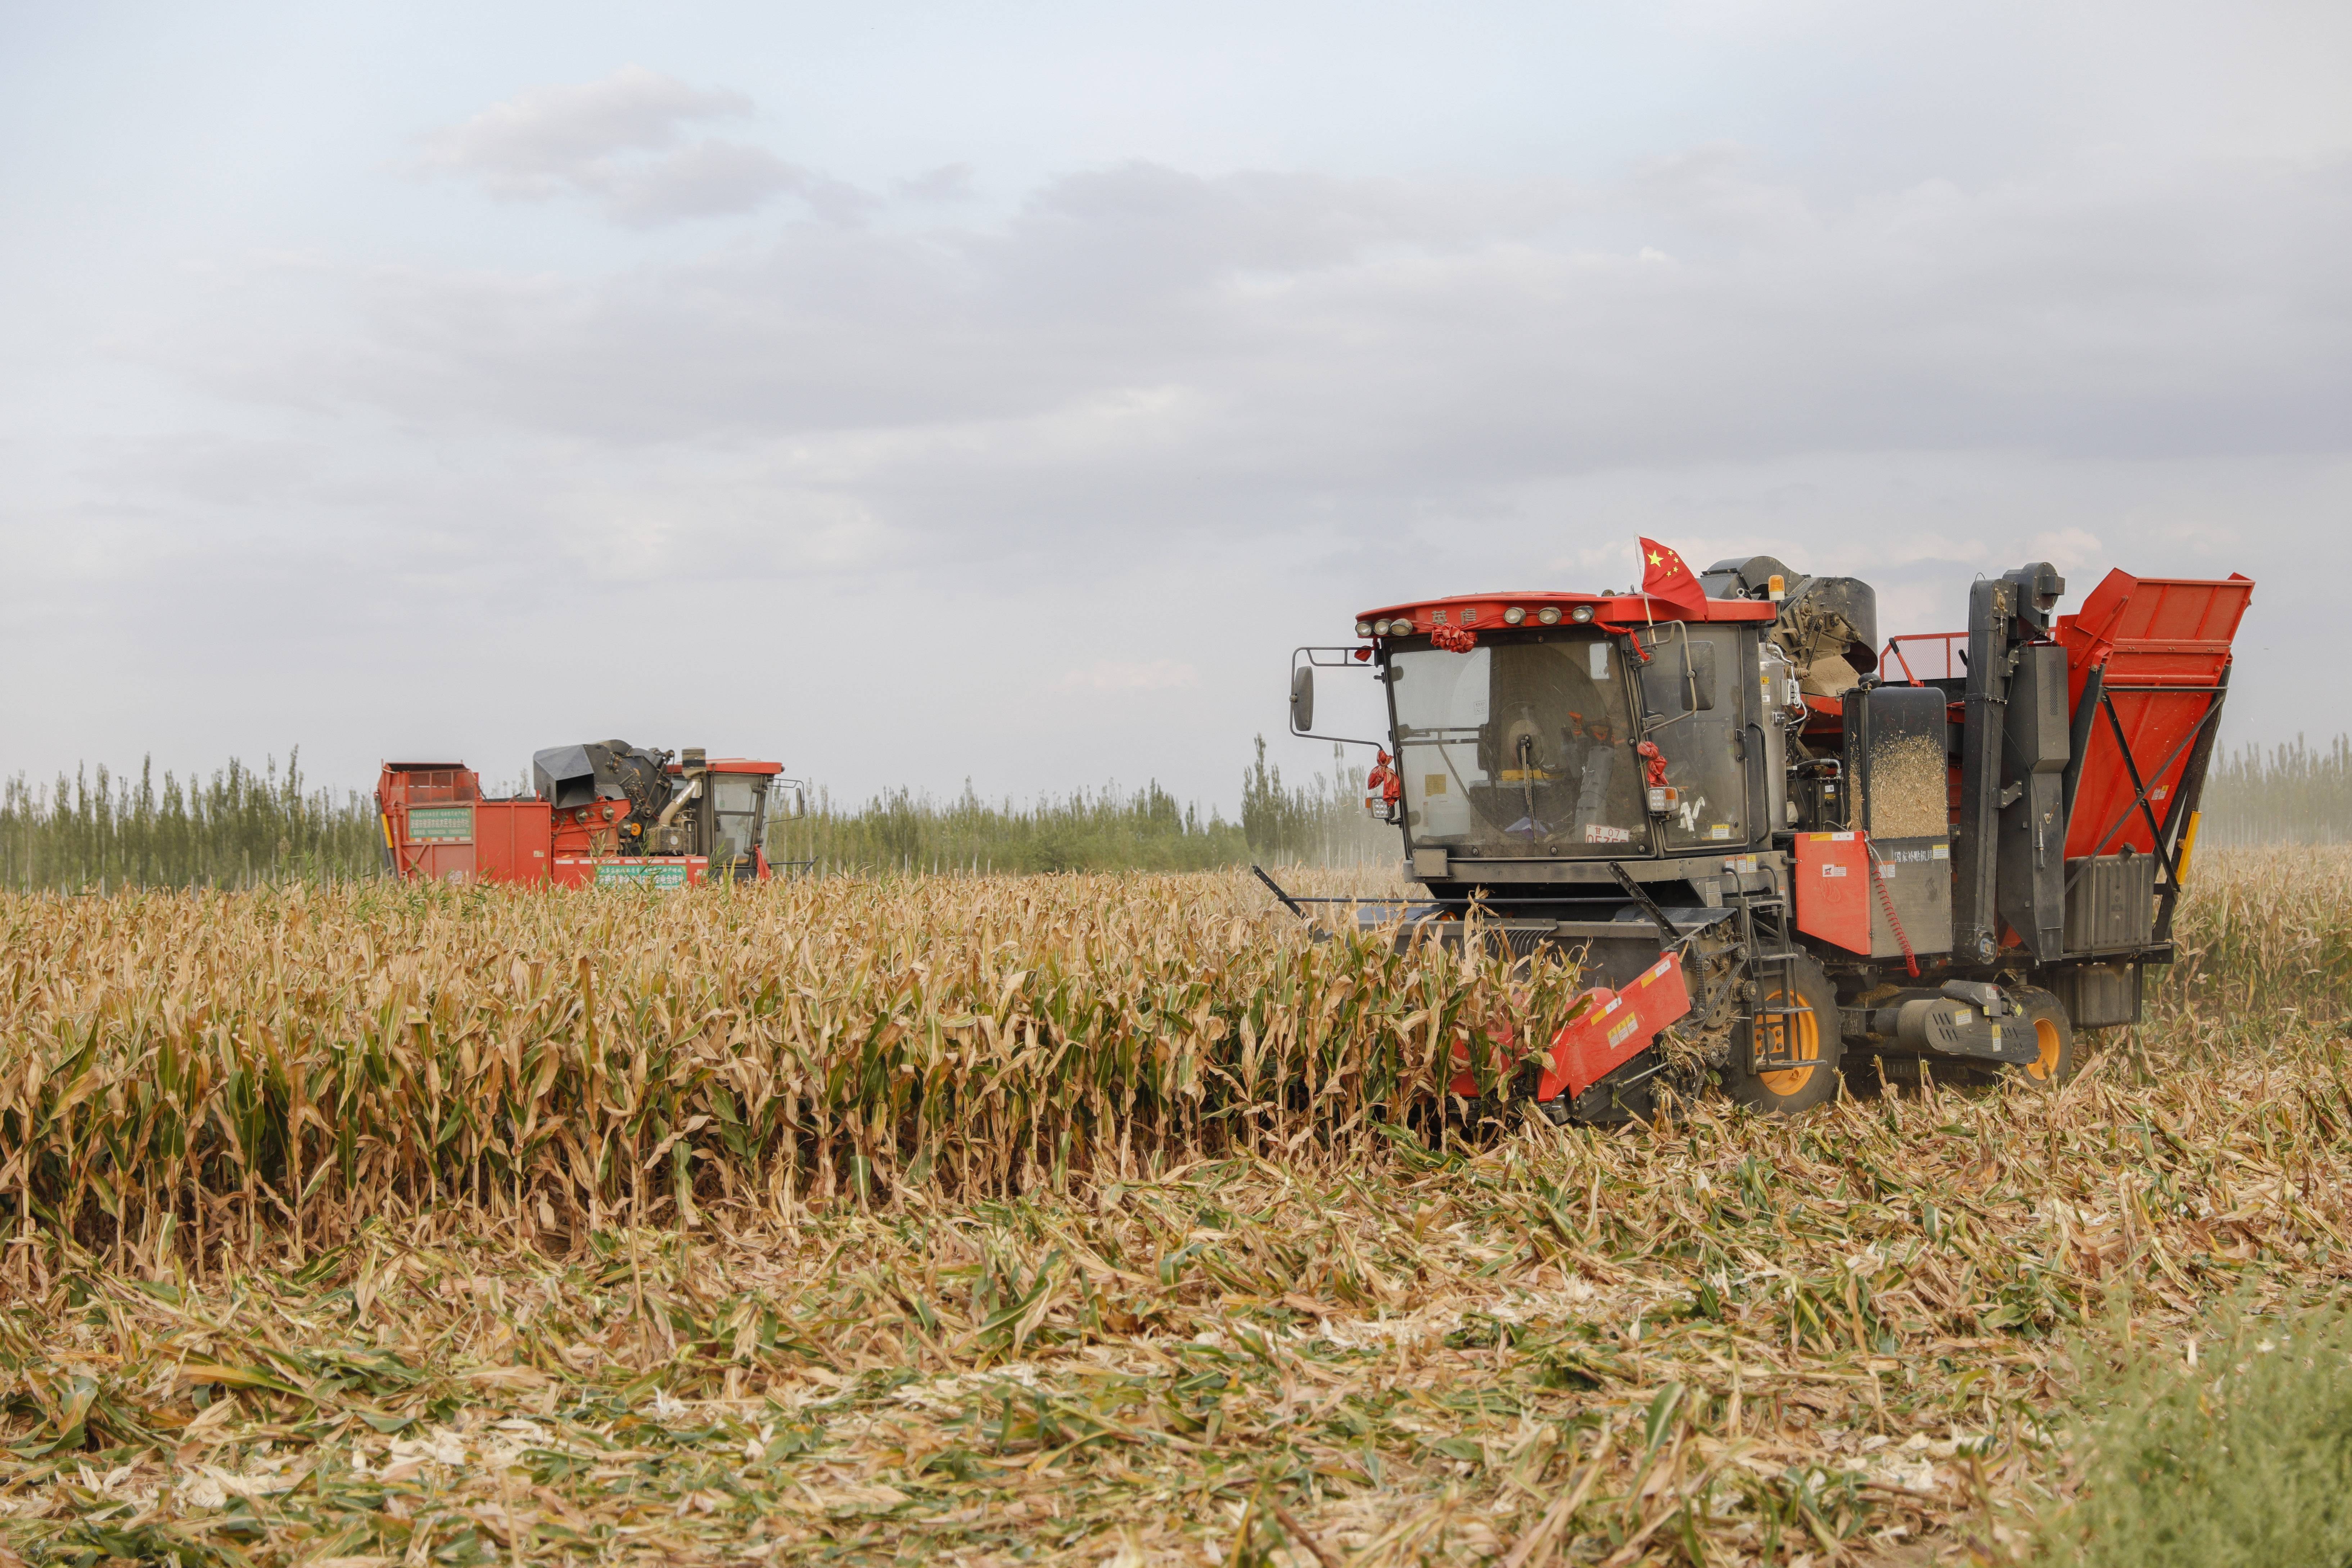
(1523, 746)
(737, 804)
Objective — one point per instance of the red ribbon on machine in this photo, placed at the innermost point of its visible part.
(1453, 639)
(1382, 788)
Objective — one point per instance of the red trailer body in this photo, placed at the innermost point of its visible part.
(428, 815)
(438, 829)
(510, 841)
(2147, 662)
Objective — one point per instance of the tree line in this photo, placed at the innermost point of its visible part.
(242, 826)
(2294, 794)
(96, 830)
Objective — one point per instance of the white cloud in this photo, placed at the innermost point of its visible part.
(552, 138)
(710, 179)
(618, 142)
(2077, 552)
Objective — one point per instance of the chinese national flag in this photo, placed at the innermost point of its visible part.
(1666, 578)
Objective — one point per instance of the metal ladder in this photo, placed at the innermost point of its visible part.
(1761, 970)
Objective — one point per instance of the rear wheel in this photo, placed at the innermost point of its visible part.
(2052, 1034)
(2053, 1040)
(1807, 1031)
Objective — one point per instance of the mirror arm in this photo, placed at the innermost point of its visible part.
(1347, 661)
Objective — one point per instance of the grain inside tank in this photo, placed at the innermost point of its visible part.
(1910, 791)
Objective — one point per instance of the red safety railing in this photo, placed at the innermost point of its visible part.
(1954, 666)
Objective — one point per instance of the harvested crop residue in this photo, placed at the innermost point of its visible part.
(1910, 789)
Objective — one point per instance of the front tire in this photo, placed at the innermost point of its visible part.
(1811, 1036)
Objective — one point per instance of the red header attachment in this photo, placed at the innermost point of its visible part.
(1617, 1027)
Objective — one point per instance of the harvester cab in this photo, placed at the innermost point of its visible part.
(614, 800)
(1751, 826)
(605, 812)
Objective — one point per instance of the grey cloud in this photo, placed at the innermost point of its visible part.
(928, 444)
(714, 179)
(947, 183)
(1373, 369)
(1378, 334)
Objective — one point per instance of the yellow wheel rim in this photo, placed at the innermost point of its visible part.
(2044, 1065)
(1797, 1034)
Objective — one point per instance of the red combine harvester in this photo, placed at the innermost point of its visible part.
(1801, 852)
(606, 813)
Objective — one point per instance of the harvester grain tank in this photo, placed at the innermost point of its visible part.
(1800, 850)
(604, 813)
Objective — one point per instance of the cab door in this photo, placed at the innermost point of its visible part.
(735, 818)
(1694, 702)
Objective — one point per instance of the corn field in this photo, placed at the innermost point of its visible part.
(179, 1066)
(177, 1070)
(1096, 1219)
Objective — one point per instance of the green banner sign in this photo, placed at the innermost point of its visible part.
(441, 823)
(658, 873)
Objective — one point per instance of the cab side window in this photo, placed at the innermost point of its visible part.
(1680, 676)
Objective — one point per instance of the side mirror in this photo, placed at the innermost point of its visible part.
(792, 803)
(1302, 700)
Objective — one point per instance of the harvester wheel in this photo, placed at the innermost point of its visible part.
(1811, 1036)
(2054, 1062)
(2054, 1037)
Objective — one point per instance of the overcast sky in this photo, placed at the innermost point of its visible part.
(917, 392)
